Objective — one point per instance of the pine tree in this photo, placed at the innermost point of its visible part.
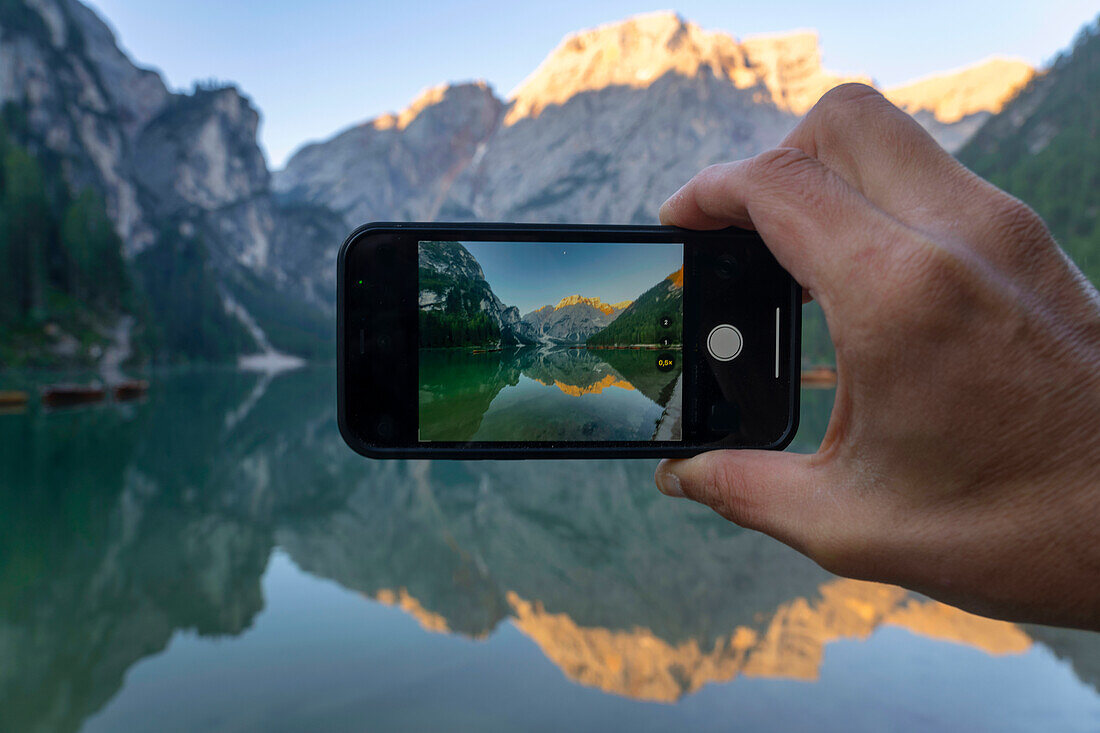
(29, 227)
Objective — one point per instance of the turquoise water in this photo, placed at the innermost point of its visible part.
(214, 558)
(542, 393)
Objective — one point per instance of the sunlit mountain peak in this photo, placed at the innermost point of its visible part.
(639, 50)
(952, 95)
(594, 302)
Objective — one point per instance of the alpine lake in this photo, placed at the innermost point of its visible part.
(547, 393)
(214, 558)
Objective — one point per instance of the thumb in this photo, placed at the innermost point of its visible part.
(780, 494)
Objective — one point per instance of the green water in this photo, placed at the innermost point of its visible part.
(213, 558)
(540, 393)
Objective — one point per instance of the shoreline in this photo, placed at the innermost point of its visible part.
(670, 425)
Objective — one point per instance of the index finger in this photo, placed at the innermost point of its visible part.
(871, 143)
(813, 221)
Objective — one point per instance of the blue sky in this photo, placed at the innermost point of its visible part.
(316, 67)
(530, 275)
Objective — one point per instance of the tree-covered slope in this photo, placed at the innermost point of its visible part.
(63, 283)
(641, 322)
(457, 306)
(1044, 148)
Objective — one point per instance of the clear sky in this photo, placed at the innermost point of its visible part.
(315, 67)
(530, 275)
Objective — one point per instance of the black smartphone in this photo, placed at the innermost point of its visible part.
(563, 341)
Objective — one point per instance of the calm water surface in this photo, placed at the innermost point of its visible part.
(215, 559)
(543, 393)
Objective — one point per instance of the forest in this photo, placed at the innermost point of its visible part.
(61, 265)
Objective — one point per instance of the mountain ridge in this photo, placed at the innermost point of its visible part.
(608, 125)
(1044, 148)
(641, 48)
(595, 302)
(757, 58)
(983, 86)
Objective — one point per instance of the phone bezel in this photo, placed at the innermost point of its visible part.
(791, 350)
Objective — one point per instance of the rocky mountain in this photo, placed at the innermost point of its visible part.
(397, 166)
(227, 259)
(952, 106)
(640, 322)
(573, 319)
(183, 181)
(614, 120)
(457, 305)
(607, 126)
(1044, 147)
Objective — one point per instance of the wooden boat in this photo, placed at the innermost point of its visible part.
(821, 377)
(129, 390)
(13, 398)
(66, 395)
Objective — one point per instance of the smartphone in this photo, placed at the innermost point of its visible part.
(563, 341)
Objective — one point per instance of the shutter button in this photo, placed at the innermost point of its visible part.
(724, 342)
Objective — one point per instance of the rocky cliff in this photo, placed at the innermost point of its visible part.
(397, 167)
(176, 171)
(458, 306)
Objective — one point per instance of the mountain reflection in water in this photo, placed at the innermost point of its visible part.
(544, 393)
(122, 526)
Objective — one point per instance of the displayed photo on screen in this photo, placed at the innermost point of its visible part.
(544, 341)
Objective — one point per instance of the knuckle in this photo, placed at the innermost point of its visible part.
(711, 175)
(924, 290)
(1014, 223)
(780, 165)
(847, 101)
(928, 273)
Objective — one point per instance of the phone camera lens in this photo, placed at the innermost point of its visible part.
(384, 427)
(726, 267)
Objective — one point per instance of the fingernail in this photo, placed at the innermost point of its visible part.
(667, 481)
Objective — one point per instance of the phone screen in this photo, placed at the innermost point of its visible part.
(550, 341)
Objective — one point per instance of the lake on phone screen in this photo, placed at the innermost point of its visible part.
(545, 393)
(213, 558)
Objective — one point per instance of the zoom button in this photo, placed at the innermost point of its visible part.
(724, 342)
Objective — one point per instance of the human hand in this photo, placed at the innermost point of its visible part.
(962, 458)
